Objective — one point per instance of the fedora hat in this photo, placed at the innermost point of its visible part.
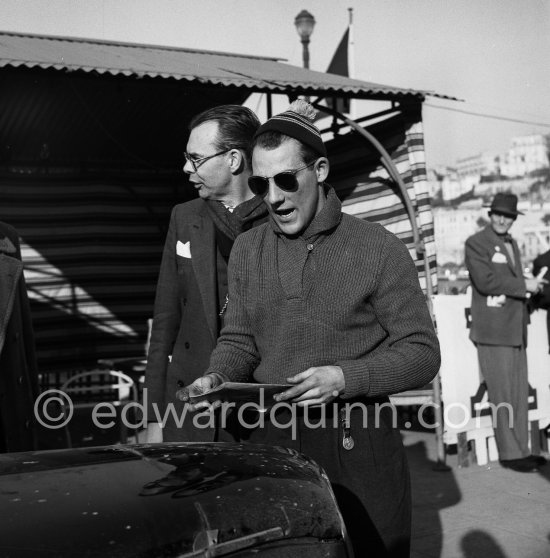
(507, 204)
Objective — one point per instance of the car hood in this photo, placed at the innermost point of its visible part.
(160, 500)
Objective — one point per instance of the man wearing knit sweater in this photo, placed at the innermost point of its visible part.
(330, 305)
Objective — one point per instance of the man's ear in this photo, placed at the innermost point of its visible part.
(322, 168)
(237, 162)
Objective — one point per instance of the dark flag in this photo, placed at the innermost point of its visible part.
(339, 63)
(339, 66)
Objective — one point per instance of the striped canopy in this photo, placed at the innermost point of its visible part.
(368, 192)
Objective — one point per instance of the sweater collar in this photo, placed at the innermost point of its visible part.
(326, 220)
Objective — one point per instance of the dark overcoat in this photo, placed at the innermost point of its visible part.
(186, 322)
(542, 300)
(18, 369)
(493, 273)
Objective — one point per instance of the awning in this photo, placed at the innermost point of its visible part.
(91, 142)
(254, 73)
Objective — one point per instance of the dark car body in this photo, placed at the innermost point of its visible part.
(167, 500)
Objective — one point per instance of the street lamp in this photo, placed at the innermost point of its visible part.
(305, 23)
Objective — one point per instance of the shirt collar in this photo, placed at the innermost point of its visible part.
(503, 237)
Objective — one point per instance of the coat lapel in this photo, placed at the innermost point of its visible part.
(204, 265)
(10, 273)
(517, 268)
(511, 264)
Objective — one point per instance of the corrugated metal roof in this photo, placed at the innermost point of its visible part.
(86, 117)
(253, 73)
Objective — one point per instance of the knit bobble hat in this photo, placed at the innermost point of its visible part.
(296, 122)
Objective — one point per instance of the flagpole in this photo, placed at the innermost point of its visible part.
(351, 61)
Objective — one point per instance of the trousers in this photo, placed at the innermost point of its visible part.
(371, 481)
(505, 372)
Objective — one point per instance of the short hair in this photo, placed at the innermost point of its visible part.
(236, 127)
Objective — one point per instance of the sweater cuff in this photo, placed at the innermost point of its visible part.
(221, 372)
(219, 378)
(357, 378)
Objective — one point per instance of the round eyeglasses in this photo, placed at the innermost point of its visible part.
(196, 162)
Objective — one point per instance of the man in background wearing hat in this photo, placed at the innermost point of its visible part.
(329, 305)
(499, 329)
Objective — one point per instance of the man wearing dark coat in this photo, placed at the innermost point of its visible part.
(18, 370)
(499, 329)
(542, 299)
(330, 306)
(192, 285)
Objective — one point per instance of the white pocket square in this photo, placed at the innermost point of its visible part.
(183, 249)
(498, 257)
(496, 301)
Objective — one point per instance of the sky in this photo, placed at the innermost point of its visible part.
(494, 55)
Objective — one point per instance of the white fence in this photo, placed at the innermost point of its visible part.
(466, 409)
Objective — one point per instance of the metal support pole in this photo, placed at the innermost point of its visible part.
(305, 55)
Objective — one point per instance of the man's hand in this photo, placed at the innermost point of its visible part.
(315, 386)
(200, 386)
(534, 284)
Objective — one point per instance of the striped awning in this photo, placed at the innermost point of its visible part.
(368, 192)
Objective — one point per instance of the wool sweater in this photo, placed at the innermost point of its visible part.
(344, 293)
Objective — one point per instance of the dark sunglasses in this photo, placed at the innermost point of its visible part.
(285, 180)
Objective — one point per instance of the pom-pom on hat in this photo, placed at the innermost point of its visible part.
(296, 122)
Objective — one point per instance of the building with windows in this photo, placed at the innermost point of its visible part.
(452, 226)
(527, 154)
(476, 166)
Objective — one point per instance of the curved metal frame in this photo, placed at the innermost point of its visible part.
(122, 383)
(420, 249)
